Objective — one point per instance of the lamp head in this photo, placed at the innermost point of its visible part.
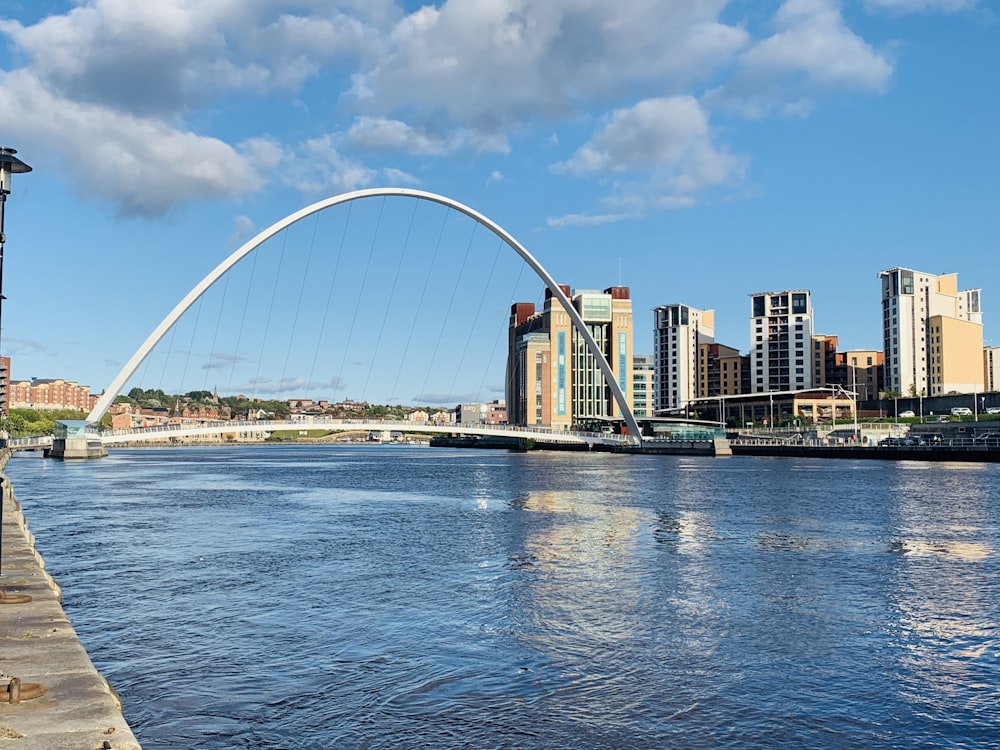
(9, 165)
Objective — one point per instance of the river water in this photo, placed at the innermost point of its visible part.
(407, 597)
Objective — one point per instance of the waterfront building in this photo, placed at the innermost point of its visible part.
(552, 378)
(643, 367)
(991, 368)
(720, 370)
(678, 331)
(50, 394)
(824, 359)
(5, 385)
(859, 371)
(494, 412)
(781, 333)
(932, 333)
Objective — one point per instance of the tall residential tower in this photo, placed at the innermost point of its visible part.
(781, 333)
(678, 331)
(932, 332)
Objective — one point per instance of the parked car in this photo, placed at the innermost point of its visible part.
(906, 414)
(898, 442)
(993, 410)
(961, 411)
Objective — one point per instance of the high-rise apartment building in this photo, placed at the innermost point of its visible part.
(678, 331)
(781, 333)
(552, 377)
(932, 332)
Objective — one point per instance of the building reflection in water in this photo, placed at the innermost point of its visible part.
(946, 619)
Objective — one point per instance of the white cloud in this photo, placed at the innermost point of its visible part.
(812, 51)
(490, 67)
(141, 165)
(586, 220)
(399, 177)
(495, 176)
(384, 134)
(147, 88)
(915, 6)
(170, 55)
(243, 227)
(667, 139)
(320, 166)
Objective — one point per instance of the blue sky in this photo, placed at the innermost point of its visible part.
(694, 150)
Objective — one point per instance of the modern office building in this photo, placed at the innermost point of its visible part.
(552, 378)
(678, 331)
(781, 333)
(932, 333)
(643, 368)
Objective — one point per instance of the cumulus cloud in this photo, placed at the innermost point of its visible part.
(668, 139)
(386, 134)
(141, 165)
(811, 51)
(156, 58)
(142, 88)
(490, 67)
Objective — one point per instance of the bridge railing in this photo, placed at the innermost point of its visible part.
(364, 424)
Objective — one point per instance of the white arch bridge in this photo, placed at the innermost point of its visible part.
(599, 356)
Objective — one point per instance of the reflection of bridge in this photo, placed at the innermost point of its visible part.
(223, 430)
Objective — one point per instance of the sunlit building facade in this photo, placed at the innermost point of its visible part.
(552, 378)
(932, 333)
(678, 331)
(781, 339)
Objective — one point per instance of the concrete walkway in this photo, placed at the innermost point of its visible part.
(79, 710)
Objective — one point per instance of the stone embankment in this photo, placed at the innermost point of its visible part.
(51, 696)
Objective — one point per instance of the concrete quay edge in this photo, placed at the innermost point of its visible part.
(79, 710)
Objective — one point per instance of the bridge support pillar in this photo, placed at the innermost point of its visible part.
(70, 449)
(75, 440)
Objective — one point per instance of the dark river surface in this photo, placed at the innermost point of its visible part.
(407, 597)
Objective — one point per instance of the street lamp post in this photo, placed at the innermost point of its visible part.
(9, 165)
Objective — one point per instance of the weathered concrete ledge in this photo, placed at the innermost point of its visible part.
(79, 710)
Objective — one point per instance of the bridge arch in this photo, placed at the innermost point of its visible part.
(112, 391)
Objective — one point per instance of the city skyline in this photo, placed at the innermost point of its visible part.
(805, 144)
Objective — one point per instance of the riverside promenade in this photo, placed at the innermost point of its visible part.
(64, 703)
